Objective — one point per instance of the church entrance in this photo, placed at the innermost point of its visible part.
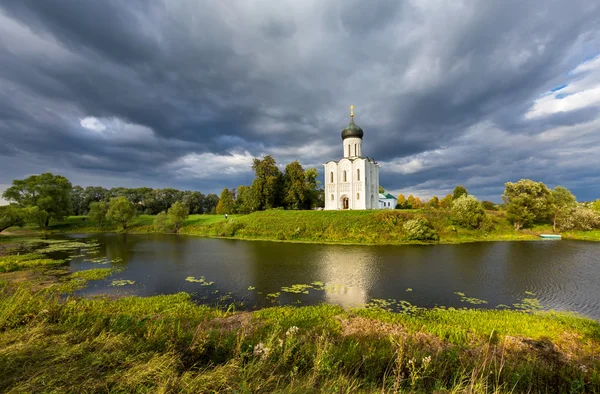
(345, 203)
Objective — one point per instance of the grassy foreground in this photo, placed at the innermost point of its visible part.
(53, 341)
(357, 227)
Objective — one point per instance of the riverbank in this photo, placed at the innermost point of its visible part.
(348, 227)
(170, 344)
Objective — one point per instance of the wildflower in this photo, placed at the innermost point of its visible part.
(291, 331)
(261, 351)
(280, 342)
(426, 361)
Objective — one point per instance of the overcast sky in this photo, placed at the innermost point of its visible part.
(184, 94)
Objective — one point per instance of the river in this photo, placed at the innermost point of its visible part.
(562, 275)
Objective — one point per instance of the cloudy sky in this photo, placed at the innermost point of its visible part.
(184, 93)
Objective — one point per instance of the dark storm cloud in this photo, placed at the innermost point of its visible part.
(185, 93)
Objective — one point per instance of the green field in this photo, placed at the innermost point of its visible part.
(353, 227)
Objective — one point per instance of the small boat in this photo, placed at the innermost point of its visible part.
(550, 236)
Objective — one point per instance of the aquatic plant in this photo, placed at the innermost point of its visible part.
(200, 280)
(122, 282)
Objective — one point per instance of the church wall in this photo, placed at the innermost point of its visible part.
(352, 147)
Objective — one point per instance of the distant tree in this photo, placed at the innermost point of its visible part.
(210, 203)
(314, 192)
(267, 184)
(411, 202)
(121, 211)
(418, 203)
(295, 193)
(401, 204)
(245, 201)
(563, 202)
(78, 200)
(37, 216)
(49, 193)
(433, 203)
(194, 200)
(526, 201)
(446, 202)
(177, 214)
(489, 206)
(381, 189)
(11, 215)
(468, 212)
(225, 204)
(579, 218)
(459, 191)
(161, 222)
(596, 206)
(97, 212)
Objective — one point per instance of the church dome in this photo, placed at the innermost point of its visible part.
(352, 131)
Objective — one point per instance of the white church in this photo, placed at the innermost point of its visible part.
(353, 181)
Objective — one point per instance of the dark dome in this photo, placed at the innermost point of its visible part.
(352, 131)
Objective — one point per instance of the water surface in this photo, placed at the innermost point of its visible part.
(563, 275)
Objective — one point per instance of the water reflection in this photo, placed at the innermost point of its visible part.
(563, 274)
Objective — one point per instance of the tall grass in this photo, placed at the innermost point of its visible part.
(170, 344)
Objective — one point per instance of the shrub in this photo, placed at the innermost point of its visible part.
(161, 223)
(468, 212)
(580, 218)
(420, 230)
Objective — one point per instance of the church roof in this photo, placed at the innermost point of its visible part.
(352, 130)
(386, 195)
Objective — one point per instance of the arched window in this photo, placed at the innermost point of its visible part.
(331, 177)
(358, 174)
(332, 197)
(348, 149)
(355, 150)
(358, 196)
(345, 177)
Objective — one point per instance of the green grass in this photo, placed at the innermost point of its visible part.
(351, 227)
(30, 260)
(170, 344)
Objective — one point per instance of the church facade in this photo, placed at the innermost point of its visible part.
(353, 181)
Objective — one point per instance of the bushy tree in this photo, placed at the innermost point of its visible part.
(314, 192)
(97, 212)
(121, 211)
(596, 206)
(580, 218)
(489, 205)
(420, 230)
(468, 212)
(563, 202)
(11, 215)
(381, 189)
(458, 192)
(210, 203)
(226, 202)
(267, 183)
(177, 214)
(161, 223)
(245, 202)
(193, 200)
(433, 203)
(401, 202)
(50, 193)
(411, 202)
(526, 202)
(294, 186)
(446, 202)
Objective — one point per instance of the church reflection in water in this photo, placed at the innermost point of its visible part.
(349, 272)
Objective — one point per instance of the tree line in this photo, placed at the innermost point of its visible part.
(48, 198)
(293, 188)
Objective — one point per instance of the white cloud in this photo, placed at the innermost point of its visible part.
(116, 129)
(582, 92)
(211, 166)
(92, 123)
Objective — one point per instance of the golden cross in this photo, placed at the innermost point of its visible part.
(352, 111)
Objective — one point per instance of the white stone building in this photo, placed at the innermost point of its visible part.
(387, 201)
(353, 181)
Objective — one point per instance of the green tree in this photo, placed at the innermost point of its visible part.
(267, 183)
(579, 218)
(420, 230)
(294, 186)
(446, 202)
(596, 206)
(381, 189)
(314, 193)
(194, 200)
(489, 206)
(245, 201)
(563, 202)
(177, 214)
(97, 212)
(161, 222)
(526, 201)
(411, 202)
(78, 200)
(121, 211)
(226, 203)
(468, 212)
(433, 203)
(11, 215)
(210, 203)
(458, 192)
(49, 193)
